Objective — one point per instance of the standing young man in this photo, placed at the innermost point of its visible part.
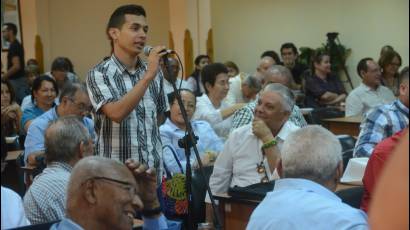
(127, 93)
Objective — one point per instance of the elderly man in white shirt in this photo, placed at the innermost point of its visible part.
(210, 106)
(370, 93)
(252, 152)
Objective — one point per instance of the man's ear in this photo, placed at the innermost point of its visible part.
(89, 194)
(280, 168)
(207, 86)
(339, 172)
(113, 33)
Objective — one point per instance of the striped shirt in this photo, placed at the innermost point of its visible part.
(137, 136)
(382, 122)
(45, 200)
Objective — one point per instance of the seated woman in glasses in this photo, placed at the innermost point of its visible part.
(208, 144)
(390, 62)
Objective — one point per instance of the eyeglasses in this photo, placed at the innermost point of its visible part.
(260, 168)
(81, 106)
(126, 186)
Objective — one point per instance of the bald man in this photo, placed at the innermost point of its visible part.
(265, 63)
(106, 194)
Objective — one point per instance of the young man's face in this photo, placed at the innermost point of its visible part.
(131, 37)
(6, 33)
(288, 56)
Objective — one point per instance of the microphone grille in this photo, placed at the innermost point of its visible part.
(147, 50)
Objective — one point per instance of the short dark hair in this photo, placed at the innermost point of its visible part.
(61, 64)
(37, 84)
(200, 57)
(232, 65)
(362, 65)
(117, 18)
(289, 45)
(209, 73)
(11, 90)
(273, 55)
(317, 58)
(12, 27)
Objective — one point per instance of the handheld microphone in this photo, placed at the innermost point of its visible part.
(147, 50)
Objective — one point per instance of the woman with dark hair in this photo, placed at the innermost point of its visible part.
(43, 94)
(174, 128)
(195, 79)
(390, 63)
(323, 88)
(10, 110)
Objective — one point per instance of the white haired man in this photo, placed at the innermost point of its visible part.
(310, 168)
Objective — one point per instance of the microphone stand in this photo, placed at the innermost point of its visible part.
(188, 142)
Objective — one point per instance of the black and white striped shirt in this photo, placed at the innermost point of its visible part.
(137, 136)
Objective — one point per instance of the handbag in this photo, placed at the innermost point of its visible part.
(174, 191)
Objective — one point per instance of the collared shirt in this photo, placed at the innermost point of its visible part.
(35, 134)
(237, 164)
(363, 98)
(304, 204)
(45, 200)
(12, 211)
(205, 110)
(28, 103)
(315, 87)
(181, 84)
(136, 136)
(377, 161)
(160, 223)
(170, 134)
(30, 113)
(245, 115)
(382, 122)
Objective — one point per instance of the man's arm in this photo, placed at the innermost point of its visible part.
(263, 133)
(15, 67)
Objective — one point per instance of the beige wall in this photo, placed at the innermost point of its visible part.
(244, 29)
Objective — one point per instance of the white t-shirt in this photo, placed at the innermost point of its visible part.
(12, 211)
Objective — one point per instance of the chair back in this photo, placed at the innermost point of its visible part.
(351, 196)
(348, 143)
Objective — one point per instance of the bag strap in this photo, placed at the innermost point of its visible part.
(176, 159)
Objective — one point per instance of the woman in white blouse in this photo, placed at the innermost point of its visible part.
(210, 106)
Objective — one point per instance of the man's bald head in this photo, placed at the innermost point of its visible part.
(265, 63)
(278, 74)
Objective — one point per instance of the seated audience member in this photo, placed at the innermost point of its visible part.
(173, 68)
(323, 88)
(252, 152)
(66, 142)
(375, 166)
(32, 61)
(250, 88)
(389, 208)
(105, 194)
(61, 72)
(10, 110)
(310, 168)
(43, 94)
(233, 69)
(390, 63)
(385, 120)
(32, 72)
(74, 100)
(12, 211)
(275, 74)
(370, 92)
(385, 49)
(289, 54)
(208, 144)
(264, 64)
(210, 106)
(273, 56)
(195, 79)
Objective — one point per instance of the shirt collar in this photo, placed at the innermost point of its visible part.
(171, 125)
(306, 185)
(122, 68)
(401, 107)
(67, 223)
(61, 165)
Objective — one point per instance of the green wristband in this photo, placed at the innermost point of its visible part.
(269, 144)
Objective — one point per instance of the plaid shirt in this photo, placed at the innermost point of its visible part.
(244, 116)
(137, 136)
(45, 200)
(381, 123)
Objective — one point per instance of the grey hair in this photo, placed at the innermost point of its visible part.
(283, 72)
(70, 89)
(252, 82)
(288, 101)
(312, 153)
(63, 137)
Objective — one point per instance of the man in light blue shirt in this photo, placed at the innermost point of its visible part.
(105, 194)
(74, 100)
(310, 168)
